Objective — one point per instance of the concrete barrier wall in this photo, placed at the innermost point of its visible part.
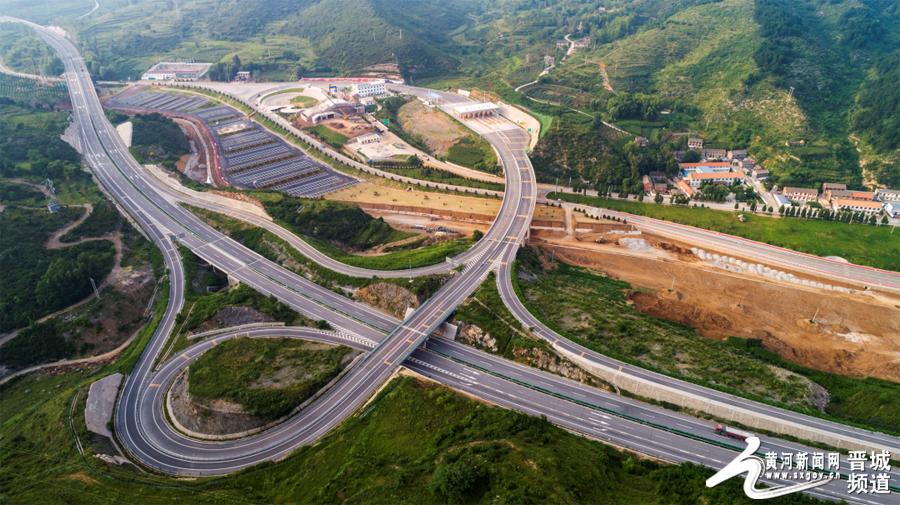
(662, 393)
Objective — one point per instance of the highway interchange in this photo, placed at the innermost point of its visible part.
(140, 422)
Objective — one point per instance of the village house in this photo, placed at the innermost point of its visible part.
(582, 42)
(697, 179)
(660, 182)
(800, 194)
(830, 186)
(705, 166)
(888, 195)
(862, 195)
(847, 204)
(850, 194)
(714, 154)
(685, 188)
(737, 154)
(695, 144)
(745, 164)
(760, 173)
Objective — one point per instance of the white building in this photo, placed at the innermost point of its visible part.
(175, 71)
(801, 194)
(697, 179)
(476, 110)
(893, 209)
(365, 89)
(888, 195)
(848, 204)
(370, 138)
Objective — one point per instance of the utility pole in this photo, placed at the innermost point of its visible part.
(813, 320)
(94, 285)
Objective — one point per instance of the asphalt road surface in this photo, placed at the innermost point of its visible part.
(158, 447)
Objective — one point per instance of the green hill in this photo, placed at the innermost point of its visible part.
(806, 85)
(762, 74)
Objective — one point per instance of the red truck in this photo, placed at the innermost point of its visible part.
(721, 429)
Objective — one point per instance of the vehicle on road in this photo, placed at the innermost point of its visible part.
(729, 432)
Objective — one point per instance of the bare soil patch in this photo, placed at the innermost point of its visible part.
(233, 316)
(370, 192)
(348, 127)
(854, 335)
(436, 129)
(389, 297)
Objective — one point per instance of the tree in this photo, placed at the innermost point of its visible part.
(455, 481)
(476, 235)
(884, 220)
(658, 198)
(691, 157)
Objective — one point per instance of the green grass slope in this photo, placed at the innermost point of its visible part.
(416, 443)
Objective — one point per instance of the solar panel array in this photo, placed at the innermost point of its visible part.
(168, 102)
(251, 157)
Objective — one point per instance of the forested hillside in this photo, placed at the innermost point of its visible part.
(803, 84)
(806, 85)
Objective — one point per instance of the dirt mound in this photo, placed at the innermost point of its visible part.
(389, 297)
(855, 335)
(672, 308)
(234, 316)
(211, 418)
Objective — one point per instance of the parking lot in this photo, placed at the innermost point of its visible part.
(248, 155)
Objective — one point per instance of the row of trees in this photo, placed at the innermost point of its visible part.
(222, 71)
(844, 216)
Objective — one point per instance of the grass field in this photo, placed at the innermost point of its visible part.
(399, 260)
(443, 177)
(861, 244)
(473, 152)
(416, 443)
(485, 309)
(267, 377)
(304, 101)
(331, 137)
(339, 230)
(279, 251)
(594, 311)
